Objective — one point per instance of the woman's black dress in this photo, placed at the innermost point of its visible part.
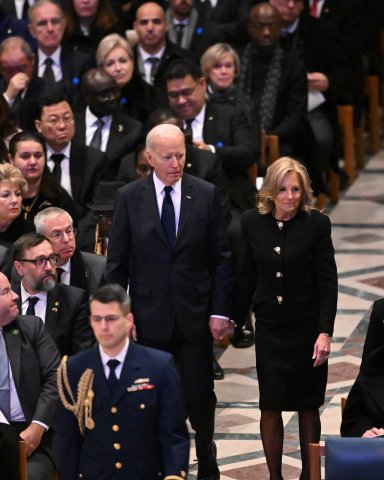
(291, 269)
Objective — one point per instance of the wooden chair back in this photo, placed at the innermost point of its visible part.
(23, 460)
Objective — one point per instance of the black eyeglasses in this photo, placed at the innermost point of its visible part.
(42, 261)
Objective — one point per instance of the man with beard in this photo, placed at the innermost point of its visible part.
(63, 309)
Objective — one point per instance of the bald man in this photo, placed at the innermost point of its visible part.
(168, 243)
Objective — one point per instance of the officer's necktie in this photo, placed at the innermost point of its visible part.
(112, 379)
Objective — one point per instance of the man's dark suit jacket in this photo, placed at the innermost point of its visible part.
(86, 165)
(124, 136)
(36, 91)
(88, 271)
(375, 333)
(171, 52)
(229, 131)
(152, 433)
(74, 63)
(66, 318)
(34, 359)
(183, 285)
(199, 163)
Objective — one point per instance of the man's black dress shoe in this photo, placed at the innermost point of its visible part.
(218, 372)
(207, 466)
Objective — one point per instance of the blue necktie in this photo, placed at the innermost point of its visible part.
(168, 220)
(112, 379)
(5, 400)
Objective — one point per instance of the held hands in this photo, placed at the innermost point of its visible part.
(321, 350)
(32, 437)
(17, 84)
(317, 81)
(220, 327)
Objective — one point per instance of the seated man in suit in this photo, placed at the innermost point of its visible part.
(363, 415)
(101, 125)
(187, 29)
(134, 425)
(63, 309)
(56, 63)
(76, 167)
(29, 400)
(154, 52)
(18, 86)
(80, 269)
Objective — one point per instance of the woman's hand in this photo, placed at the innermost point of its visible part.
(321, 350)
(373, 432)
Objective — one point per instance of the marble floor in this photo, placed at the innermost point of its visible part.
(358, 236)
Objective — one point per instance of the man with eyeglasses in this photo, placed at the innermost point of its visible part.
(20, 89)
(76, 167)
(63, 309)
(133, 415)
(80, 269)
(29, 399)
(58, 64)
(101, 125)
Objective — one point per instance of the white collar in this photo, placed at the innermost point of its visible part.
(120, 356)
(55, 56)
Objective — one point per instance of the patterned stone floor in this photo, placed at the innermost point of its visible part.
(358, 236)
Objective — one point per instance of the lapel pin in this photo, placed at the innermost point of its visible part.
(57, 304)
(210, 118)
(54, 309)
(189, 197)
(120, 128)
(189, 165)
(15, 332)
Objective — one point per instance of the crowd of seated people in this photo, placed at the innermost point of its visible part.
(82, 83)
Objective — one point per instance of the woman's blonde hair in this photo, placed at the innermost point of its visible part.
(273, 180)
(110, 42)
(11, 174)
(213, 54)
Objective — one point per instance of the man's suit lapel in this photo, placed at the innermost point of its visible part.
(80, 127)
(117, 133)
(187, 201)
(12, 339)
(129, 373)
(77, 161)
(53, 310)
(102, 386)
(209, 128)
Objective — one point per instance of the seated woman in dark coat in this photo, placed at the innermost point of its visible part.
(363, 415)
(27, 152)
(138, 99)
(12, 223)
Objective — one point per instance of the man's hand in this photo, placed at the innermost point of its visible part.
(317, 81)
(373, 432)
(17, 84)
(32, 437)
(201, 145)
(220, 327)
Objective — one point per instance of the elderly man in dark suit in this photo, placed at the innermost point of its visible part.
(30, 398)
(101, 125)
(134, 426)
(63, 309)
(80, 269)
(168, 243)
(59, 65)
(20, 89)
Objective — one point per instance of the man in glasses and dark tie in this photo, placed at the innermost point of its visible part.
(63, 309)
(169, 244)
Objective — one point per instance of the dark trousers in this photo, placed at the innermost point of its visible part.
(193, 357)
(9, 453)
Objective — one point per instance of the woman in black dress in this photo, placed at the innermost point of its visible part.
(289, 273)
(27, 152)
